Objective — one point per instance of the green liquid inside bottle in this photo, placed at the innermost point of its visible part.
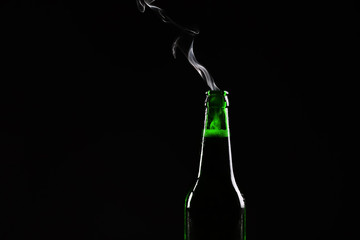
(216, 119)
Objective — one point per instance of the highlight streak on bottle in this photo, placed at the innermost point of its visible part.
(142, 4)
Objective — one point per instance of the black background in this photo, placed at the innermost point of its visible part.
(101, 127)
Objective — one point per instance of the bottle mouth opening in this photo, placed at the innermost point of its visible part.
(217, 93)
(217, 99)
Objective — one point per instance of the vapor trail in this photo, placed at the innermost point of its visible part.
(201, 69)
(142, 4)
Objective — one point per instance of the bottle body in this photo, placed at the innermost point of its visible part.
(214, 207)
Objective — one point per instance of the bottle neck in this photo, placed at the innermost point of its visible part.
(216, 123)
(215, 160)
(216, 115)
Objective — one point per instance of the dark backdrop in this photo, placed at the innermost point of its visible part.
(101, 127)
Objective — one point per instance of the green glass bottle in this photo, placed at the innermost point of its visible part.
(214, 207)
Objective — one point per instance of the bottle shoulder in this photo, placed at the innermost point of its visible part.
(207, 194)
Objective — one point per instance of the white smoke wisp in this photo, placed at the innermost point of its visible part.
(142, 4)
(195, 63)
(201, 69)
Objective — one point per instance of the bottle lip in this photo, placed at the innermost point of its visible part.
(218, 99)
(217, 92)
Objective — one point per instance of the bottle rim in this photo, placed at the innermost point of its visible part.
(217, 92)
